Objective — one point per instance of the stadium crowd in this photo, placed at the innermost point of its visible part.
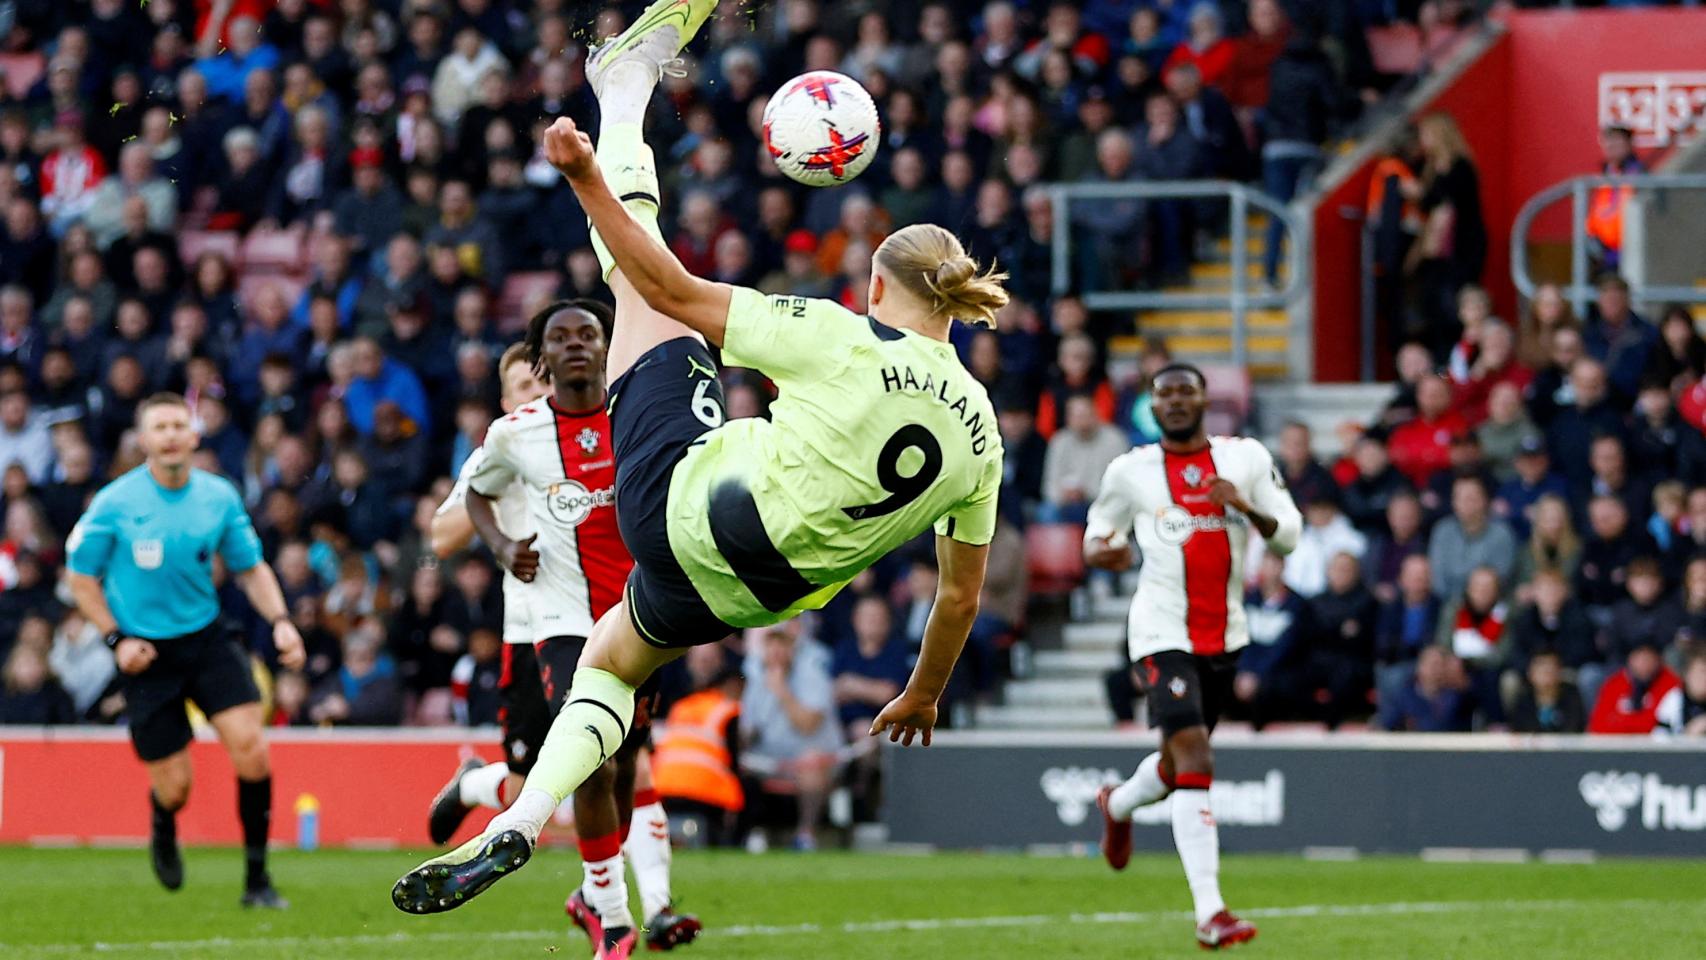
(322, 221)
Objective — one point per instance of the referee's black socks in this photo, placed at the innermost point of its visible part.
(165, 821)
(254, 809)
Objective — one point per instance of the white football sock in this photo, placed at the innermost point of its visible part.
(1144, 788)
(528, 813)
(627, 90)
(1198, 840)
(480, 788)
(605, 887)
(649, 851)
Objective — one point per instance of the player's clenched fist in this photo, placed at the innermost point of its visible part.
(569, 150)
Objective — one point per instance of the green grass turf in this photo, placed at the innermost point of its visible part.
(63, 903)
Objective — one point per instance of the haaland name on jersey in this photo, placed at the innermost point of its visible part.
(904, 379)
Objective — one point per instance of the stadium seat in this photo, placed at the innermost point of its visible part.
(194, 243)
(1396, 48)
(274, 251)
(250, 285)
(519, 289)
(1228, 388)
(434, 708)
(1056, 555)
(22, 70)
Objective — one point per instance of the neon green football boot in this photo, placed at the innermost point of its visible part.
(655, 39)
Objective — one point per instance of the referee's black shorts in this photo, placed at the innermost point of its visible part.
(209, 667)
(659, 408)
(1186, 690)
(534, 683)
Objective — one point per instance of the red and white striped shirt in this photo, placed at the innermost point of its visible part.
(1190, 593)
(566, 466)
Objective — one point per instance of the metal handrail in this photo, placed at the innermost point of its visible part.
(1580, 289)
(1238, 301)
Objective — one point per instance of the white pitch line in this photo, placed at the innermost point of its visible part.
(1316, 910)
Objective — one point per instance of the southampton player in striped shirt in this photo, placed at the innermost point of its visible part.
(878, 435)
(1192, 500)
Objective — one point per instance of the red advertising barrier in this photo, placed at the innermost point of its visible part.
(371, 788)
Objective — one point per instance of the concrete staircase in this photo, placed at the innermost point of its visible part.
(1205, 336)
(1063, 690)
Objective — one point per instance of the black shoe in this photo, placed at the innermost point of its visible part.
(167, 862)
(447, 812)
(669, 930)
(447, 882)
(265, 897)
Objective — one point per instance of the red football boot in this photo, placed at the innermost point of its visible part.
(1116, 834)
(1224, 930)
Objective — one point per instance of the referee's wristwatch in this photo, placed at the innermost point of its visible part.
(114, 639)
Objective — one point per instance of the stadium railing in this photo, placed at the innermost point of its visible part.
(1642, 218)
(1242, 294)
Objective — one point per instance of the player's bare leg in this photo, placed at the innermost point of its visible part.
(169, 789)
(239, 730)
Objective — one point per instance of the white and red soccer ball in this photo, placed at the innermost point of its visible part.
(822, 129)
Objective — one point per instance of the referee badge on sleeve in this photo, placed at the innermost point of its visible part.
(148, 554)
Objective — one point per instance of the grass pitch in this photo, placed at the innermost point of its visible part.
(836, 906)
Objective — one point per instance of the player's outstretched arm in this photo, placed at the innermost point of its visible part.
(658, 277)
(913, 713)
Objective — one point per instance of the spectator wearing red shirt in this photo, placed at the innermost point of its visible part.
(1063, 29)
(1206, 46)
(1495, 364)
(1422, 446)
(1254, 53)
(1629, 701)
(70, 174)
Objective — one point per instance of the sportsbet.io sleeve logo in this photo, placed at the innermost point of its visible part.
(1174, 524)
(570, 502)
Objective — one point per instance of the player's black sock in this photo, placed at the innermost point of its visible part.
(165, 821)
(254, 808)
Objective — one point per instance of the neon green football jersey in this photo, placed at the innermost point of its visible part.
(876, 436)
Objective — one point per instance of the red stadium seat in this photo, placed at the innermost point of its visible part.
(251, 284)
(1228, 388)
(519, 289)
(1396, 49)
(274, 251)
(434, 709)
(1055, 552)
(194, 243)
(22, 71)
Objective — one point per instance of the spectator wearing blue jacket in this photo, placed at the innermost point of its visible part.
(269, 333)
(1406, 625)
(227, 71)
(1438, 701)
(379, 378)
(1618, 337)
(1267, 679)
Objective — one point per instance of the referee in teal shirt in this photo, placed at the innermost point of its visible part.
(141, 569)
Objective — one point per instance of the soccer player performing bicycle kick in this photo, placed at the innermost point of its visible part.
(878, 434)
